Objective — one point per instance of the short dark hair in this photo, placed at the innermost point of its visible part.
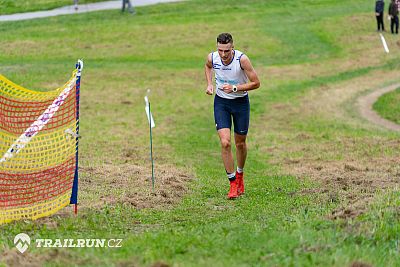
(225, 38)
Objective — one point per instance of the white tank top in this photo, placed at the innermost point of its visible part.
(232, 74)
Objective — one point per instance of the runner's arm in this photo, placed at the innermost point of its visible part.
(254, 82)
(208, 73)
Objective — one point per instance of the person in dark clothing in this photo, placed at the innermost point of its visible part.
(379, 8)
(130, 7)
(394, 17)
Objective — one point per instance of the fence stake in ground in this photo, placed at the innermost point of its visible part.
(74, 195)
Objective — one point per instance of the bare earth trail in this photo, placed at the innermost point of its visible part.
(366, 102)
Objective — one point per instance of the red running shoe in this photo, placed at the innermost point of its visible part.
(240, 182)
(233, 191)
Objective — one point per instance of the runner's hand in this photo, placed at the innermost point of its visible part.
(227, 88)
(210, 90)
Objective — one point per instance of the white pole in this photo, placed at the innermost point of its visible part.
(384, 43)
(151, 125)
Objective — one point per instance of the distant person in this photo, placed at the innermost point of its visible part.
(76, 4)
(379, 8)
(130, 7)
(394, 17)
(234, 77)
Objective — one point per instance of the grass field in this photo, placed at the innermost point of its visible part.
(388, 106)
(322, 183)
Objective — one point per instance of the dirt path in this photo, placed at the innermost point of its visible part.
(365, 104)
(83, 8)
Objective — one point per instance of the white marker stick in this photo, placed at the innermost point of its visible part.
(384, 43)
(148, 113)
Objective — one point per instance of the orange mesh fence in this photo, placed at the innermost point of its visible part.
(38, 149)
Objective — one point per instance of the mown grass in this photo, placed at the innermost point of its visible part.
(163, 47)
(388, 106)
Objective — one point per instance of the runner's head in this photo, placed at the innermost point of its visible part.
(225, 38)
(225, 47)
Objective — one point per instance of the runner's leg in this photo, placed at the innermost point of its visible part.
(226, 152)
(241, 149)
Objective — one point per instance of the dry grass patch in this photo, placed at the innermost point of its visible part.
(130, 184)
(350, 170)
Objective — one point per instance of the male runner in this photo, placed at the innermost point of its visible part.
(234, 76)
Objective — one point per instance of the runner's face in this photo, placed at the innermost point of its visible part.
(225, 51)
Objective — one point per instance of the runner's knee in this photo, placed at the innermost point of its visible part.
(241, 145)
(225, 143)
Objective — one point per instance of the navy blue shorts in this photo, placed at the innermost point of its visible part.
(237, 109)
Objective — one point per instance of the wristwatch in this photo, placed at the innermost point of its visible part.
(234, 88)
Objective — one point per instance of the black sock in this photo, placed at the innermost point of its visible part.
(231, 176)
